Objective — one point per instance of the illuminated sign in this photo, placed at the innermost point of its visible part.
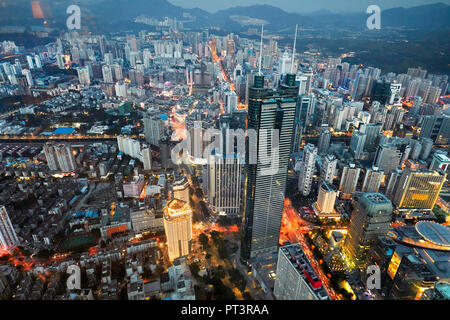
(393, 266)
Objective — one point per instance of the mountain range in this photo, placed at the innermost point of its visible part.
(104, 13)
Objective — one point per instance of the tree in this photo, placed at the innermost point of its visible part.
(203, 239)
(195, 268)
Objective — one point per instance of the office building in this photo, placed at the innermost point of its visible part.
(370, 219)
(371, 130)
(223, 183)
(437, 128)
(268, 112)
(349, 179)
(307, 169)
(357, 143)
(418, 189)
(145, 220)
(390, 156)
(295, 277)
(324, 141)
(8, 237)
(178, 227)
(372, 180)
(153, 130)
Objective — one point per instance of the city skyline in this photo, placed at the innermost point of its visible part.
(248, 155)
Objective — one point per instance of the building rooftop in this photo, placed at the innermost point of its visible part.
(434, 232)
(176, 204)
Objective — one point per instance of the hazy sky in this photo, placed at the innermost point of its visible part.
(304, 5)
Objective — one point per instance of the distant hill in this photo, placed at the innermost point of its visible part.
(111, 12)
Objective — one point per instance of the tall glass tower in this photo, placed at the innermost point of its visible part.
(267, 110)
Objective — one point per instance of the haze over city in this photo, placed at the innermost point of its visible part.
(220, 158)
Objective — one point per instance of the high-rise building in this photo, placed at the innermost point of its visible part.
(269, 113)
(381, 91)
(328, 168)
(153, 130)
(307, 169)
(83, 76)
(326, 198)
(394, 178)
(60, 61)
(418, 189)
(37, 61)
(8, 237)
(389, 155)
(180, 189)
(372, 130)
(357, 144)
(223, 184)
(349, 179)
(147, 158)
(178, 227)
(370, 219)
(440, 161)
(130, 147)
(59, 157)
(231, 101)
(324, 141)
(372, 180)
(436, 128)
(27, 74)
(295, 277)
(107, 74)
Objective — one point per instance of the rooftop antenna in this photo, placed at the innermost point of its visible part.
(293, 50)
(261, 48)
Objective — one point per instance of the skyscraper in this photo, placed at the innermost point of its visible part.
(324, 141)
(178, 227)
(223, 184)
(418, 189)
(436, 128)
(328, 168)
(265, 191)
(372, 180)
(389, 155)
(153, 130)
(307, 169)
(371, 218)
(8, 237)
(371, 130)
(357, 144)
(349, 179)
